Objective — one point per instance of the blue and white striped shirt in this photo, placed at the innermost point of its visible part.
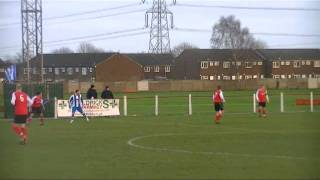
(76, 101)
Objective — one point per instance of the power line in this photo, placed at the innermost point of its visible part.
(85, 37)
(247, 7)
(79, 14)
(254, 33)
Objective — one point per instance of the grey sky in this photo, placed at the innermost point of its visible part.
(258, 21)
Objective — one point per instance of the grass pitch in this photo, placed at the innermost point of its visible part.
(170, 146)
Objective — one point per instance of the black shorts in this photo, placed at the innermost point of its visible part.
(20, 119)
(36, 110)
(218, 106)
(262, 104)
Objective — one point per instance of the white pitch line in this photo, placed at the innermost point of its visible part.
(131, 141)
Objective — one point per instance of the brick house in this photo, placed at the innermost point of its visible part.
(292, 63)
(60, 67)
(220, 64)
(135, 67)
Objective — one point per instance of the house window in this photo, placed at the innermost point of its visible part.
(204, 77)
(289, 76)
(211, 78)
(34, 70)
(50, 70)
(216, 63)
(70, 71)
(296, 75)
(226, 77)
(76, 69)
(276, 64)
(233, 77)
(259, 63)
(226, 64)
(211, 63)
(248, 77)
(255, 76)
(283, 76)
(261, 76)
(146, 69)
(303, 63)
(308, 63)
(156, 69)
(84, 71)
(296, 64)
(287, 63)
(90, 69)
(44, 71)
(316, 64)
(303, 76)
(238, 63)
(276, 76)
(282, 63)
(167, 68)
(204, 64)
(240, 77)
(254, 63)
(248, 64)
(56, 71)
(63, 70)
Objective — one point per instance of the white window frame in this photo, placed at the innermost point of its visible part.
(211, 63)
(84, 71)
(204, 64)
(276, 76)
(303, 76)
(56, 71)
(211, 78)
(248, 64)
(204, 78)
(296, 64)
(226, 78)
(77, 69)
(260, 63)
(233, 77)
(147, 68)
(226, 65)
(282, 63)
(63, 70)
(167, 68)
(316, 64)
(90, 69)
(216, 63)
(287, 63)
(283, 76)
(261, 76)
(156, 69)
(275, 64)
(69, 70)
(303, 63)
(50, 69)
(308, 62)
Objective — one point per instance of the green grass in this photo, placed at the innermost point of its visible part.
(282, 146)
(172, 145)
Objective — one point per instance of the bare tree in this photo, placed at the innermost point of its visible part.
(63, 50)
(178, 49)
(86, 47)
(228, 34)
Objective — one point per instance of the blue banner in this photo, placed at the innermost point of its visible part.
(11, 73)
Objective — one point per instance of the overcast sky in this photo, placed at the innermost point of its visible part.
(286, 28)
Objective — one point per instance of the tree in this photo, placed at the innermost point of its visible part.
(178, 49)
(63, 50)
(228, 34)
(86, 47)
